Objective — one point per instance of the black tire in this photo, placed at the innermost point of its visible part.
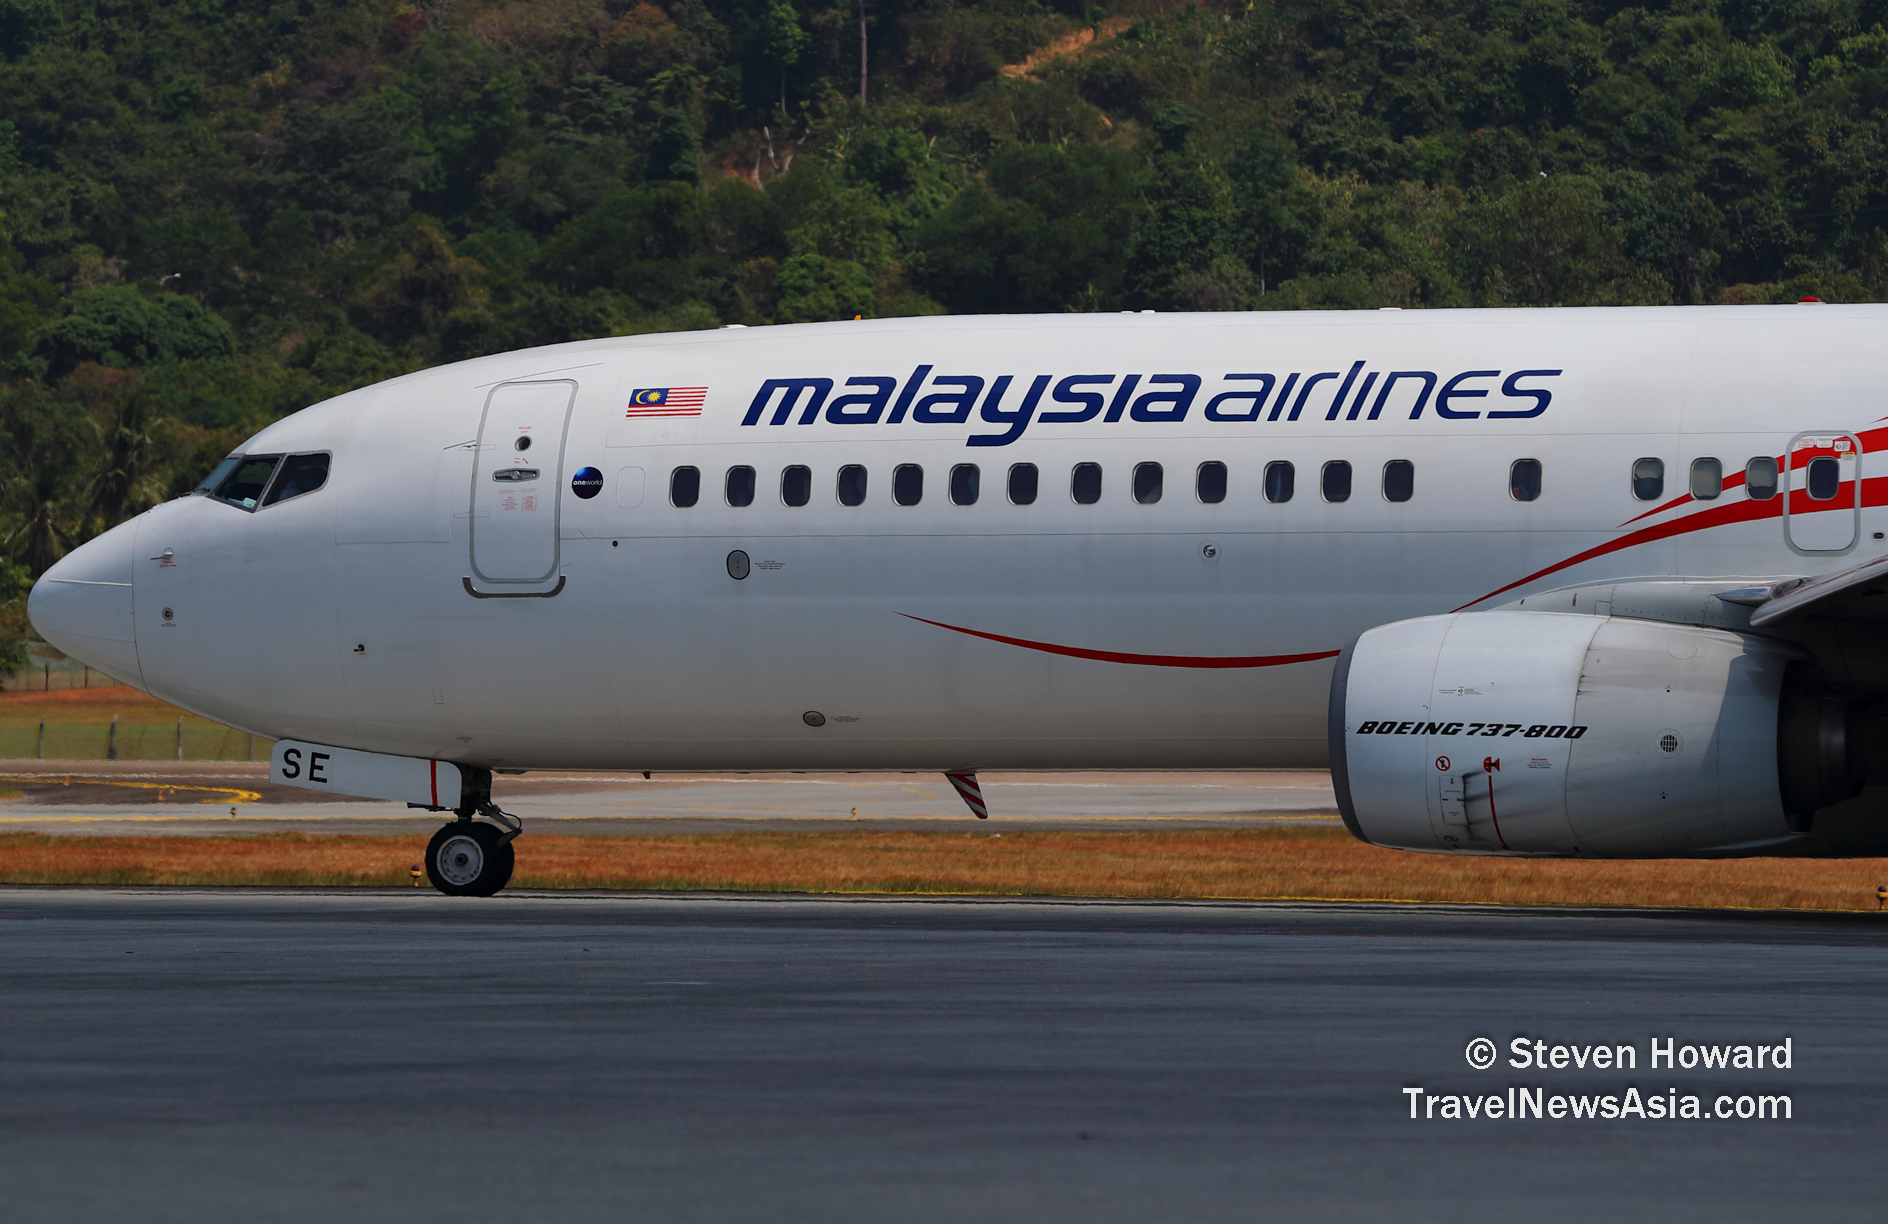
(467, 859)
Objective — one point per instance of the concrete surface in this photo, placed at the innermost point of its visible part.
(195, 798)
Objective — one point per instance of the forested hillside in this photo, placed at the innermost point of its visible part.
(214, 212)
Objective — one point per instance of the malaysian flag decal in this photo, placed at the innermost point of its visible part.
(667, 401)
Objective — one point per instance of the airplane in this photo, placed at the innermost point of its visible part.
(1601, 582)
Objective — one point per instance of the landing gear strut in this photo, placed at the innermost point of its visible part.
(469, 858)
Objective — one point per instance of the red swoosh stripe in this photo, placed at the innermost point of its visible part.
(1874, 493)
(1733, 481)
(1717, 516)
(1871, 439)
(1144, 660)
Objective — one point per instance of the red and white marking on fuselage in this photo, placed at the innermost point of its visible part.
(965, 780)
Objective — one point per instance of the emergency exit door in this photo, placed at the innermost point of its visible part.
(1822, 507)
(516, 475)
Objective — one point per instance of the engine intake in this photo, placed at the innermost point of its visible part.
(1555, 734)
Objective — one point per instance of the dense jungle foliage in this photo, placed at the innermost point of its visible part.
(214, 212)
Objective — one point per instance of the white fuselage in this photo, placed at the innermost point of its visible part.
(352, 615)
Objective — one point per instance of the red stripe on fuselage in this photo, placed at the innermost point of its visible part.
(1869, 439)
(1874, 493)
(1143, 660)
(1734, 481)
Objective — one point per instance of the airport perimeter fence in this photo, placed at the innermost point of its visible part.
(140, 742)
(47, 670)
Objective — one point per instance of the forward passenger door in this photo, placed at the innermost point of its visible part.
(517, 472)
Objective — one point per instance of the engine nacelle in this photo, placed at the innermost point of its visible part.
(1557, 734)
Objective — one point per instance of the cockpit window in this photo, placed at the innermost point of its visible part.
(246, 481)
(300, 474)
(208, 484)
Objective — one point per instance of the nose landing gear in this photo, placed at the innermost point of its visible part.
(469, 858)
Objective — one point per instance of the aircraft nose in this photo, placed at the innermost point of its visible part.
(82, 605)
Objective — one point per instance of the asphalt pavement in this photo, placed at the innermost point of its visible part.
(236, 1055)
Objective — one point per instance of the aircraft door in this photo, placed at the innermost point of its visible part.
(517, 472)
(1822, 506)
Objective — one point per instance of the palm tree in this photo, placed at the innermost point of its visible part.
(127, 479)
(44, 494)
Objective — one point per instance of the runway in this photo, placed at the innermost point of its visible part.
(236, 1055)
(190, 798)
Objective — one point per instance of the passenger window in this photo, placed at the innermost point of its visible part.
(1336, 481)
(1760, 478)
(740, 486)
(1209, 483)
(851, 485)
(1023, 479)
(1524, 479)
(1148, 479)
(964, 481)
(907, 485)
(1825, 475)
(1707, 479)
(796, 485)
(300, 474)
(684, 487)
(246, 481)
(1085, 484)
(209, 483)
(1399, 480)
(1648, 479)
(1279, 479)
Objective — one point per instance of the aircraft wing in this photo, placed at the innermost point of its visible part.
(1855, 594)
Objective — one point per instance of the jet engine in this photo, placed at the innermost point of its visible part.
(1546, 733)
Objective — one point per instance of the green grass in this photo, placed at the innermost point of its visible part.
(89, 742)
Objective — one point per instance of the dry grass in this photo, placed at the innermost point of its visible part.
(93, 706)
(1257, 863)
(1067, 45)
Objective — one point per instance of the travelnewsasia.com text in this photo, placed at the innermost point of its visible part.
(1520, 1104)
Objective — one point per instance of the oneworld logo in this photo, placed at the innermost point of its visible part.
(928, 398)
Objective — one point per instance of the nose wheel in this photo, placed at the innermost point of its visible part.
(469, 859)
